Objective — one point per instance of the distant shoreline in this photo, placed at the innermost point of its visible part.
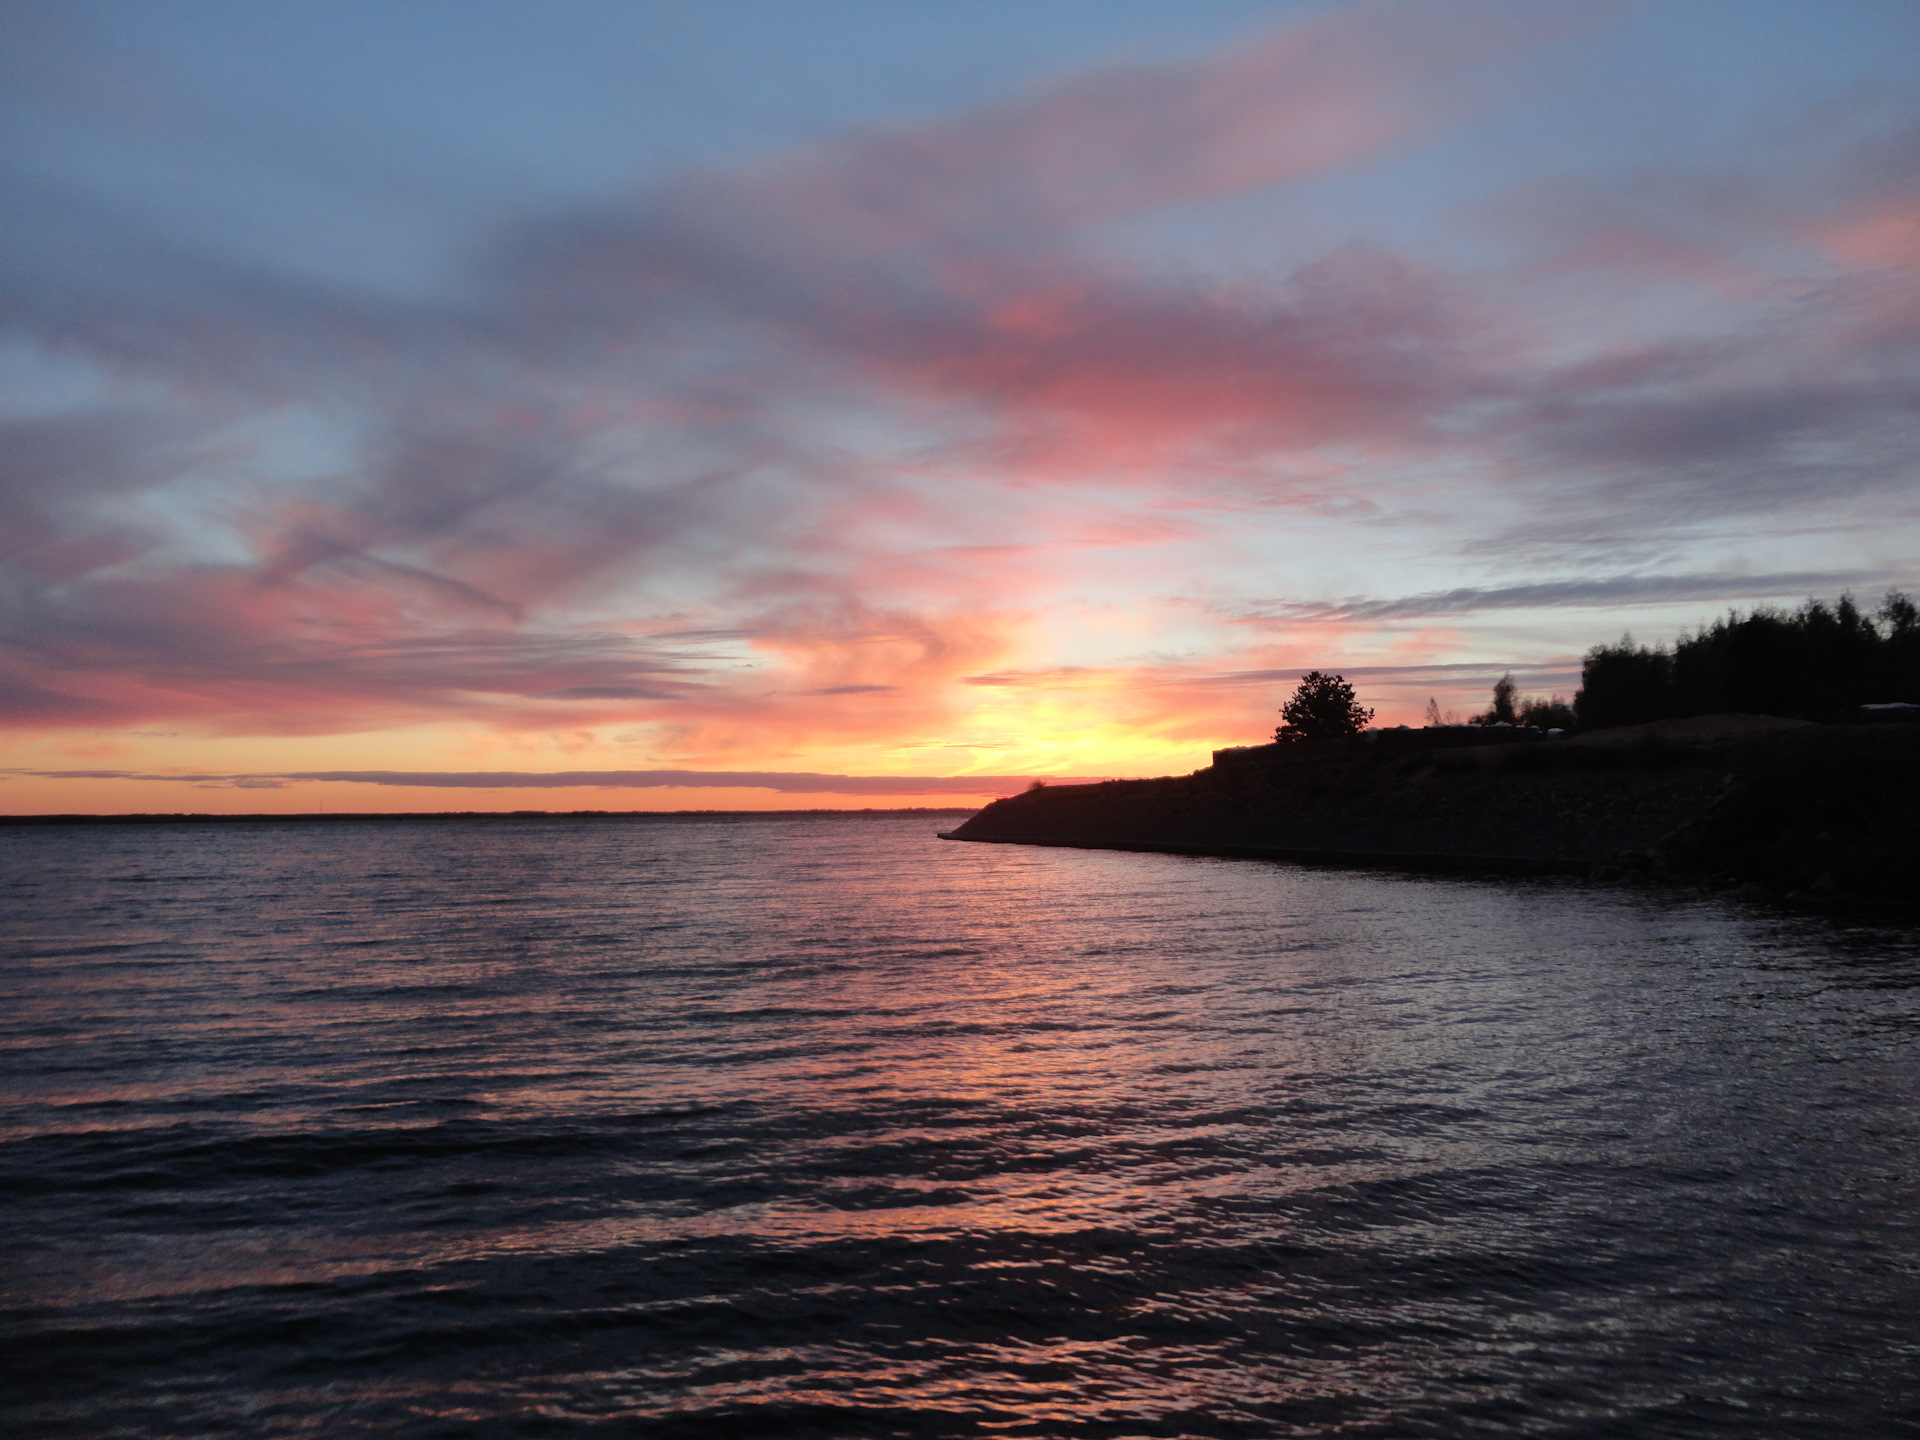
(193, 818)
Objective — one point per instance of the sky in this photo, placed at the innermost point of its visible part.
(622, 404)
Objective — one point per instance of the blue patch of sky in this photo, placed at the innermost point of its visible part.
(1702, 88)
(374, 144)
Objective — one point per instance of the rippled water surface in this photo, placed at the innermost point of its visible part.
(818, 1126)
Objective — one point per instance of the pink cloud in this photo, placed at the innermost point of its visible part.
(1882, 232)
(844, 407)
(1328, 93)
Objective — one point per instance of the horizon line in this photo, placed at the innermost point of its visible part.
(83, 817)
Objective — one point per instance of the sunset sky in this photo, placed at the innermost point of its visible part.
(607, 404)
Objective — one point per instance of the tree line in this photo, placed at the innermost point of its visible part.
(1819, 662)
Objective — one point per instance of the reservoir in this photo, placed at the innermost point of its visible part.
(814, 1125)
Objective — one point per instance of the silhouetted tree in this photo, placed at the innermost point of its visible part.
(1510, 707)
(1624, 684)
(1815, 661)
(1502, 711)
(1323, 708)
(1550, 714)
(1899, 614)
(1820, 661)
(1900, 651)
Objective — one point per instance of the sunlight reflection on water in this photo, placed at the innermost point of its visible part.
(819, 1125)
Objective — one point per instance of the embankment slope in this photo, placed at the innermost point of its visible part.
(1719, 800)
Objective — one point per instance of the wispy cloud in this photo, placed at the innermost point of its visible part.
(806, 451)
(1611, 592)
(1281, 679)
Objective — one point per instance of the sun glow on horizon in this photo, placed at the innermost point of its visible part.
(1047, 416)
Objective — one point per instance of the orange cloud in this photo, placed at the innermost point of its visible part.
(871, 450)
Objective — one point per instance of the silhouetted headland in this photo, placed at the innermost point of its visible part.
(1772, 805)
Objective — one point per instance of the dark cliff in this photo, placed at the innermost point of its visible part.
(1715, 800)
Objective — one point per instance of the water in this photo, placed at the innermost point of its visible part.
(818, 1126)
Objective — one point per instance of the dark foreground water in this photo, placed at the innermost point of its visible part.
(822, 1127)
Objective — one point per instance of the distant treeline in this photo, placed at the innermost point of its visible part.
(1818, 662)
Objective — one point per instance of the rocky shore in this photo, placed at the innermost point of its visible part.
(1774, 807)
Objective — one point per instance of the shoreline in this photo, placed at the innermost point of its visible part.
(1769, 808)
(1331, 859)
